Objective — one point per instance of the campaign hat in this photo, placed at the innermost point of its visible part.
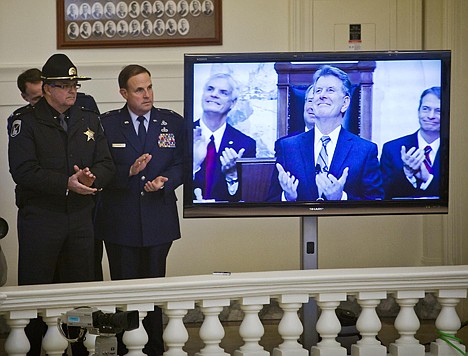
(60, 67)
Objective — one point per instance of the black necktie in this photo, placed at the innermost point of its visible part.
(63, 121)
(142, 129)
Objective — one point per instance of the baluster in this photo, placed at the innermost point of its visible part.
(135, 340)
(175, 334)
(53, 342)
(212, 331)
(328, 326)
(290, 327)
(369, 325)
(90, 343)
(17, 342)
(448, 322)
(251, 329)
(407, 323)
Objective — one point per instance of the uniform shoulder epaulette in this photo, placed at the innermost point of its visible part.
(84, 108)
(168, 112)
(22, 110)
(111, 113)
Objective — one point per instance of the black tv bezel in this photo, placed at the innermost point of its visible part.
(317, 208)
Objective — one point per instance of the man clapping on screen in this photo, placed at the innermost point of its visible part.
(217, 145)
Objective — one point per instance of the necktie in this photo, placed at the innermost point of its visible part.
(63, 121)
(210, 164)
(427, 160)
(322, 159)
(141, 129)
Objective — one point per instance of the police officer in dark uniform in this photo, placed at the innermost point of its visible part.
(137, 217)
(59, 158)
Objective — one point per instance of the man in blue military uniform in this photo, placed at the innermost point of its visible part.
(59, 158)
(137, 215)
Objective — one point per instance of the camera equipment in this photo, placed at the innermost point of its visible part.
(75, 323)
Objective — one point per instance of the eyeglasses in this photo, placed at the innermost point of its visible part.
(66, 86)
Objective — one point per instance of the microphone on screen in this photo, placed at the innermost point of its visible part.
(318, 169)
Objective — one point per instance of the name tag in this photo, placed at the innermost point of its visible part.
(119, 145)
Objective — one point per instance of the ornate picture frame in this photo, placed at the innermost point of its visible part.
(138, 23)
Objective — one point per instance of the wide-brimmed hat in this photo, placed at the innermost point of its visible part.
(60, 67)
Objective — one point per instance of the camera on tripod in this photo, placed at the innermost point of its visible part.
(75, 323)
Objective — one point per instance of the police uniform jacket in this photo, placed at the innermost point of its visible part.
(42, 155)
(126, 214)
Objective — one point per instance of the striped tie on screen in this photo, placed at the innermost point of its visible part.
(322, 160)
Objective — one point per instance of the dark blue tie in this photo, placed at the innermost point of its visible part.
(142, 129)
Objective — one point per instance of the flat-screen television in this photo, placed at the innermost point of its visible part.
(317, 133)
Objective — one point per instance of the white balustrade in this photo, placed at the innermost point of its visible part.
(17, 343)
(290, 327)
(212, 331)
(175, 334)
(251, 329)
(292, 289)
(407, 323)
(328, 325)
(135, 340)
(369, 325)
(448, 323)
(53, 342)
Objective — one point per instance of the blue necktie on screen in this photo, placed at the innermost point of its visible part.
(322, 159)
(210, 164)
(141, 129)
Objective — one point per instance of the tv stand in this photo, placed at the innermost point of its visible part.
(309, 260)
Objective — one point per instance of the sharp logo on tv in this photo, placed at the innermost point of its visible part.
(341, 133)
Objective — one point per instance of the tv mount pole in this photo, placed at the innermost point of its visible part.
(309, 260)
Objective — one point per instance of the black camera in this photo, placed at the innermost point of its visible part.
(98, 322)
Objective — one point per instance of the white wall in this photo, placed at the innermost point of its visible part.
(207, 245)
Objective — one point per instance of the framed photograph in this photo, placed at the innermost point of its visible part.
(138, 23)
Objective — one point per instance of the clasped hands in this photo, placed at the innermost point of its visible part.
(81, 181)
(139, 165)
(327, 184)
(413, 163)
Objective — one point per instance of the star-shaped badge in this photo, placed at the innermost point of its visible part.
(90, 134)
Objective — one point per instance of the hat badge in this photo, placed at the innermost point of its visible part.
(72, 71)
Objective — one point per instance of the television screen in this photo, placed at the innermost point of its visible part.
(335, 133)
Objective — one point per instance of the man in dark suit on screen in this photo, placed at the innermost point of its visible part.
(327, 162)
(410, 164)
(217, 145)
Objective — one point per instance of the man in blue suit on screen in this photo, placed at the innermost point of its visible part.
(327, 162)
(410, 164)
(217, 145)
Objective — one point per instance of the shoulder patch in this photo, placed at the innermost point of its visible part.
(15, 128)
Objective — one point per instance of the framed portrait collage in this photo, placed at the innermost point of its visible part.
(138, 23)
